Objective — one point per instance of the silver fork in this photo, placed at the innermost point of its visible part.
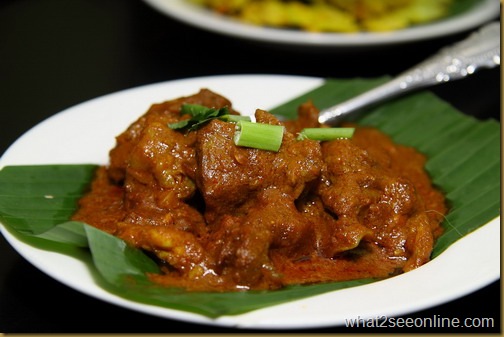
(480, 50)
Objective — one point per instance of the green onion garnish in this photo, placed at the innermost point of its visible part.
(259, 135)
(323, 134)
(234, 118)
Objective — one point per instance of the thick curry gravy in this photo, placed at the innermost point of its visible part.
(218, 217)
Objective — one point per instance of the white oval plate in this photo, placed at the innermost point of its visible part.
(196, 16)
(86, 132)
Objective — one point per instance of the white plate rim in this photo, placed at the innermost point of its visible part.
(190, 14)
(453, 264)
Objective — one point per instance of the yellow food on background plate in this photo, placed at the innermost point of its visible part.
(332, 15)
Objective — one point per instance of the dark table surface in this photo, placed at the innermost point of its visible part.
(57, 53)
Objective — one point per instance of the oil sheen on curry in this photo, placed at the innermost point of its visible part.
(221, 217)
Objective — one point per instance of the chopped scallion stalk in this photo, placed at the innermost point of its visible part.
(258, 135)
(234, 118)
(324, 134)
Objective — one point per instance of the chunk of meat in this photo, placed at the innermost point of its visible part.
(162, 113)
(361, 186)
(250, 196)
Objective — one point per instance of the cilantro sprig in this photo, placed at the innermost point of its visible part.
(201, 114)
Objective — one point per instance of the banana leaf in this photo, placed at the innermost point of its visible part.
(36, 202)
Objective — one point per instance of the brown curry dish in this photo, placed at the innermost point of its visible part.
(220, 217)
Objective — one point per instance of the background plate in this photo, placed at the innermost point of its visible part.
(191, 14)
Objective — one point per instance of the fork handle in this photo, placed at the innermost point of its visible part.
(480, 50)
